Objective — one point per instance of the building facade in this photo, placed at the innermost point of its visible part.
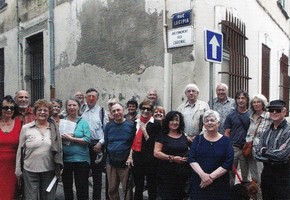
(54, 48)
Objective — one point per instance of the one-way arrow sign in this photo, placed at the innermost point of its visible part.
(213, 46)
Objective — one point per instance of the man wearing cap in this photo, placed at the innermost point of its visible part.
(97, 119)
(132, 106)
(274, 151)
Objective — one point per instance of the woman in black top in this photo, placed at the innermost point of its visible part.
(141, 158)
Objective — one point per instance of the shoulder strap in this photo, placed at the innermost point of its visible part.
(102, 116)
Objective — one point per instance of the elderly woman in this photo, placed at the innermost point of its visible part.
(76, 156)
(9, 137)
(259, 122)
(42, 154)
(211, 158)
(56, 105)
(141, 156)
(171, 148)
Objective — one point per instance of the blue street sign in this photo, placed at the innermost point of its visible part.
(181, 19)
(213, 46)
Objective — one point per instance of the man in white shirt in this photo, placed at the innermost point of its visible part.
(193, 110)
(97, 118)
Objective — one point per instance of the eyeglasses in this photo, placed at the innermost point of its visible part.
(8, 108)
(277, 110)
(145, 108)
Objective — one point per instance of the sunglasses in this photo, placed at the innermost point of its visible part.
(8, 108)
(145, 108)
(277, 110)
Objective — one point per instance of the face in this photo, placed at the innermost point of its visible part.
(132, 108)
(146, 110)
(118, 113)
(191, 94)
(242, 101)
(42, 113)
(221, 92)
(158, 114)
(72, 108)
(211, 124)
(80, 96)
(55, 108)
(91, 98)
(257, 104)
(7, 109)
(152, 96)
(174, 123)
(277, 114)
(22, 99)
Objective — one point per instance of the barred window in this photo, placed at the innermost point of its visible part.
(235, 65)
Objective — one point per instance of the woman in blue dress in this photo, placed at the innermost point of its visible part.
(211, 158)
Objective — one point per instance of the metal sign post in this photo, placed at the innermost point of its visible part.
(213, 45)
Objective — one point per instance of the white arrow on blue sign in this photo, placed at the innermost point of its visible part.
(213, 46)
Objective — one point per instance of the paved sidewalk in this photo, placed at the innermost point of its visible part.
(60, 194)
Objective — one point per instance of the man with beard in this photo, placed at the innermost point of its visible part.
(25, 111)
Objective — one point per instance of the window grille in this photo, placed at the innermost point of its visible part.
(284, 80)
(237, 71)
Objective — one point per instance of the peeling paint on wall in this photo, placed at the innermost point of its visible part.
(120, 37)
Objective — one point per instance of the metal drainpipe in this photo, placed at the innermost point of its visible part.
(18, 43)
(167, 87)
(51, 48)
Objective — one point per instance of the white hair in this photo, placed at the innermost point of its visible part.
(223, 85)
(191, 85)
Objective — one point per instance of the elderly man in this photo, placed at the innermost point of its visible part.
(223, 104)
(81, 97)
(152, 96)
(274, 151)
(119, 135)
(236, 126)
(25, 112)
(193, 110)
(97, 119)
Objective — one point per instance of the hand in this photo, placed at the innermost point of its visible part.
(98, 147)
(130, 162)
(190, 138)
(205, 180)
(179, 159)
(67, 136)
(283, 146)
(58, 170)
(143, 127)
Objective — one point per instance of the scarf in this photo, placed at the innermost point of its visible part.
(137, 142)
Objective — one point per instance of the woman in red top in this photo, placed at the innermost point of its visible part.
(9, 137)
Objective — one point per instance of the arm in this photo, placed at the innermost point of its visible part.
(217, 173)
(18, 170)
(205, 178)
(162, 156)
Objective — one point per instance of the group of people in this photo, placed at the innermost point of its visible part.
(187, 153)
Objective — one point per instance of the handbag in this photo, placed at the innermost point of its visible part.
(248, 146)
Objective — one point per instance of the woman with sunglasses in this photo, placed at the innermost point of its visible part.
(141, 157)
(259, 122)
(9, 137)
